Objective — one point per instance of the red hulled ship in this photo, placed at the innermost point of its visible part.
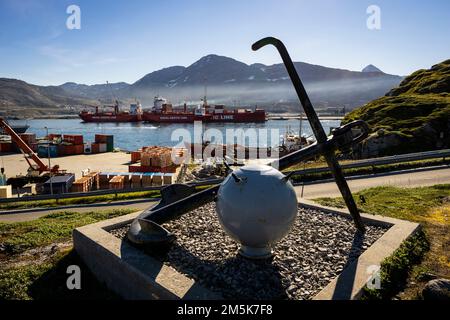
(132, 115)
(164, 112)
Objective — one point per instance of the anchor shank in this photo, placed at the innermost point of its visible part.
(316, 126)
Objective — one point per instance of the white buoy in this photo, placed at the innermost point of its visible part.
(257, 207)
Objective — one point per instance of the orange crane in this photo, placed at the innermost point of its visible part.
(38, 165)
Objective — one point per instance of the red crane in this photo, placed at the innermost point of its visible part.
(29, 154)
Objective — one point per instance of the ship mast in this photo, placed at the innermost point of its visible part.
(205, 103)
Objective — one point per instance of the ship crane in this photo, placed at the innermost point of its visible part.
(30, 155)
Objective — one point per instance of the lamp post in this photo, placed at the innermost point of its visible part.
(49, 164)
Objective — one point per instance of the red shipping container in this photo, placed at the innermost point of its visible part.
(135, 156)
(139, 168)
(79, 148)
(95, 148)
(5, 147)
(74, 138)
(28, 138)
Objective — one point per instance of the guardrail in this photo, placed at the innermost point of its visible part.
(380, 161)
(100, 192)
(357, 164)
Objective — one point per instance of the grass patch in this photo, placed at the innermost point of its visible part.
(403, 203)
(423, 256)
(395, 269)
(47, 281)
(20, 236)
(80, 200)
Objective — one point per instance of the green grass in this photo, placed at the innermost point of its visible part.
(47, 281)
(402, 203)
(79, 200)
(395, 269)
(416, 112)
(20, 236)
(424, 253)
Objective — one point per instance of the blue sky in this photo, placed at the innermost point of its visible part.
(124, 40)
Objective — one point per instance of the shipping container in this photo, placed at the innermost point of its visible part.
(76, 139)
(136, 180)
(168, 178)
(102, 147)
(147, 179)
(44, 151)
(140, 168)
(157, 179)
(59, 184)
(136, 156)
(6, 147)
(105, 138)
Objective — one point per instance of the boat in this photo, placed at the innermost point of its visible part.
(134, 114)
(18, 128)
(164, 112)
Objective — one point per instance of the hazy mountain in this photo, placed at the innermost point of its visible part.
(371, 68)
(228, 81)
(96, 91)
(18, 98)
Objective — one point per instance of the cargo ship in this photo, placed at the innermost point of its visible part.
(164, 112)
(134, 114)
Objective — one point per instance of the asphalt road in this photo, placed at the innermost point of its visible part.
(329, 189)
(411, 179)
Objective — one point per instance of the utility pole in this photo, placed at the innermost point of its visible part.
(49, 164)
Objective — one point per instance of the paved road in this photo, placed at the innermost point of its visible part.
(415, 179)
(329, 189)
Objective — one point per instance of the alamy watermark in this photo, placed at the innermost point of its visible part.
(374, 279)
(237, 143)
(373, 22)
(74, 279)
(73, 22)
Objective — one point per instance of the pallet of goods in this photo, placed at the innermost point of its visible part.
(117, 182)
(136, 180)
(81, 185)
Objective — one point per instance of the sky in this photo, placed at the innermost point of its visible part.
(121, 40)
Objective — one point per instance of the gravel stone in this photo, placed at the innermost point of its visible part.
(315, 251)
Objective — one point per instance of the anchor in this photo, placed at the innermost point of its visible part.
(178, 199)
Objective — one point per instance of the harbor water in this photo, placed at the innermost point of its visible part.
(131, 136)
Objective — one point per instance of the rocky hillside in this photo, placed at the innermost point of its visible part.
(415, 116)
(18, 98)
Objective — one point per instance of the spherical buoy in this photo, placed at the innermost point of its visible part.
(256, 206)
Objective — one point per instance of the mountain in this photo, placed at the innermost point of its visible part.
(18, 98)
(97, 91)
(227, 81)
(413, 117)
(371, 68)
(230, 80)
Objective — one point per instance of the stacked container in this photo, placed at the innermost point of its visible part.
(117, 182)
(81, 185)
(136, 180)
(105, 139)
(46, 150)
(147, 179)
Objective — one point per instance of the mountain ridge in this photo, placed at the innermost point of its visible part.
(227, 80)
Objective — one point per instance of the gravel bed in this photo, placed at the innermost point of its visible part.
(315, 251)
